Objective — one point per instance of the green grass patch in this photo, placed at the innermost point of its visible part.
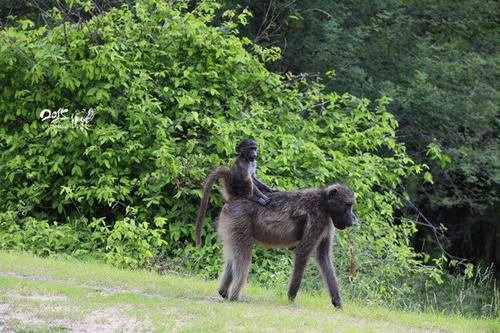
(62, 294)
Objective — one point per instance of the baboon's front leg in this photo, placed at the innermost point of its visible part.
(324, 261)
(306, 245)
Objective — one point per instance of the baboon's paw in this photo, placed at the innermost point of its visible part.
(265, 201)
(223, 293)
(337, 304)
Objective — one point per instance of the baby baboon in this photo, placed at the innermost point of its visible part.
(303, 218)
(238, 182)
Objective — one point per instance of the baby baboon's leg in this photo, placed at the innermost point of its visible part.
(324, 261)
(258, 196)
(309, 240)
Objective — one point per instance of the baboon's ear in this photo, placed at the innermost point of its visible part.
(333, 191)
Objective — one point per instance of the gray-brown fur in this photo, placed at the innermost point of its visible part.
(238, 182)
(303, 218)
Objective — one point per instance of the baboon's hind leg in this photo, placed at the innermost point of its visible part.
(235, 234)
(240, 268)
(226, 278)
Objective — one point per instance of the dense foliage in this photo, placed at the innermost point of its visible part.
(171, 95)
(439, 62)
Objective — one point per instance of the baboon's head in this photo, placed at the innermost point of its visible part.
(340, 200)
(247, 148)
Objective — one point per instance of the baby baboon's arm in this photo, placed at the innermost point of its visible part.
(262, 186)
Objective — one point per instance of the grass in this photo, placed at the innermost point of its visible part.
(64, 295)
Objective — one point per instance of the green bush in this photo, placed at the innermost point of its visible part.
(172, 92)
(40, 236)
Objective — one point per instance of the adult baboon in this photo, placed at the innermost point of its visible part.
(303, 218)
(238, 182)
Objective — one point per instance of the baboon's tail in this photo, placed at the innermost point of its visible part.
(207, 188)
